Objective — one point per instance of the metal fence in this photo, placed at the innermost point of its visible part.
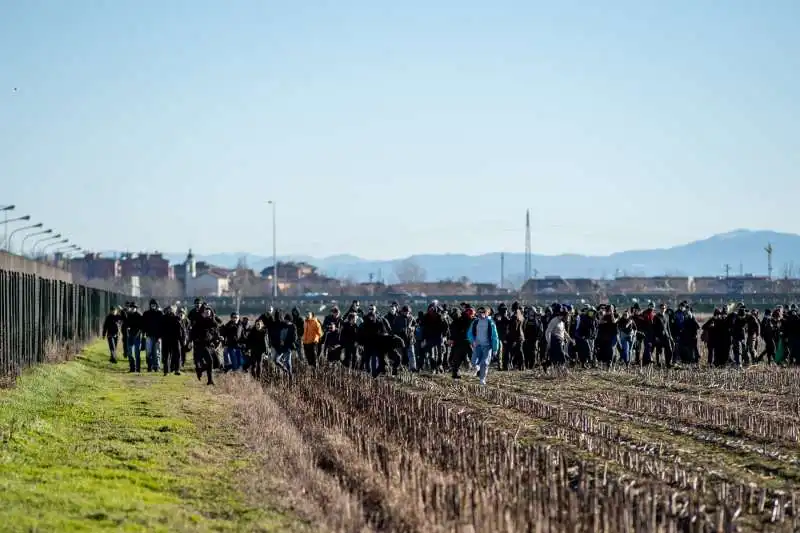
(44, 314)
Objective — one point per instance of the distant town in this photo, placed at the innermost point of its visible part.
(151, 274)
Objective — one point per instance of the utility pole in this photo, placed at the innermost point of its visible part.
(528, 257)
(502, 268)
(274, 255)
(768, 249)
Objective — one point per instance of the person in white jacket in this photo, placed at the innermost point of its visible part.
(557, 338)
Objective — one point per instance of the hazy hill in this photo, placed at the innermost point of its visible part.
(698, 258)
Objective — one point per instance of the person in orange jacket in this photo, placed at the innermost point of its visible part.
(312, 333)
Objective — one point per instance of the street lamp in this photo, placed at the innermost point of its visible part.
(6, 222)
(64, 248)
(49, 244)
(5, 209)
(61, 253)
(274, 254)
(10, 220)
(29, 235)
(43, 239)
(23, 228)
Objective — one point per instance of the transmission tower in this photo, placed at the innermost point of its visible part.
(768, 249)
(502, 268)
(727, 268)
(528, 262)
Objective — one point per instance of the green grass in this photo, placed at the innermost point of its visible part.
(88, 447)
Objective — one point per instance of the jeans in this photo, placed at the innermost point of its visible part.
(625, 344)
(232, 357)
(739, 351)
(112, 347)
(411, 357)
(284, 359)
(153, 349)
(481, 356)
(374, 360)
(585, 348)
(134, 353)
(310, 351)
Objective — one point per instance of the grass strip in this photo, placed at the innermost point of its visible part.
(86, 446)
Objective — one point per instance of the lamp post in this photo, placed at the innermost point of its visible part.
(5, 209)
(40, 241)
(63, 249)
(49, 244)
(61, 253)
(23, 228)
(29, 235)
(274, 255)
(8, 221)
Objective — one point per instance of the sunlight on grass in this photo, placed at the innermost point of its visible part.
(88, 447)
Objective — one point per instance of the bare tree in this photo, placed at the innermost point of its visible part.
(242, 282)
(161, 288)
(409, 271)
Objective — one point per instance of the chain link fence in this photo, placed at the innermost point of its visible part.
(44, 315)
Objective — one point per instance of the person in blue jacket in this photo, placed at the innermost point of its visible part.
(482, 335)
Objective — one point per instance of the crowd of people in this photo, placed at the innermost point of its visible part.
(451, 339)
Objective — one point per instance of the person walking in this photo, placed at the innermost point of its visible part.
(482, 336)
(312, 333)
(111, 330)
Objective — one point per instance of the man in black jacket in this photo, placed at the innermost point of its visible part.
(172, 341)
(346, 339)
(112, 326)
(585, 336)
(257, 348)
(151, 326)
(461, 348)
(434, 331)
(331, 336)
(663, 345)
(187, 343)
(515, 338)
(402, 325)
(205, 338)
(286, 339)
(371, 336)
(133, 323)
(232, 336)
(737, 323)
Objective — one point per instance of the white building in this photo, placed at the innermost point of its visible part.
(212, 283)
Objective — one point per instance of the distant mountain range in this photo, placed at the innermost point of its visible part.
(740, 249)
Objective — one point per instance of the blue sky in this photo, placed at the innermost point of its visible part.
(384, 129)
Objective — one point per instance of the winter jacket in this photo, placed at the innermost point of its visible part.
(112, 325)
(231, 333)
(495, 338)
(312, 331)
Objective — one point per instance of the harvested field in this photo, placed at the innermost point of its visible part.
(584, 451)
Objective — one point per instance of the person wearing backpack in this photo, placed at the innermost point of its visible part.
(482, 336)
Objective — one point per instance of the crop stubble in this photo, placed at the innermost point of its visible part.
(585, 451)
